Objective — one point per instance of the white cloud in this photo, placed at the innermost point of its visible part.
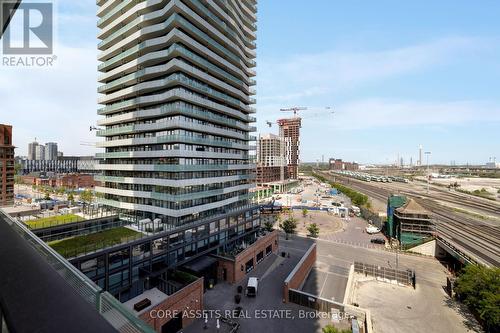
(52, 104)
(380, 113)
(307, 75)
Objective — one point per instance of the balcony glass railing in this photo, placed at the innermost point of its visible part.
(186, 25)
(115, 179)
(110, 308)
(186, 168)
(189, 140)
(202, 62)
(195, 85)
(116, 10)
(221, 23)
(188, 110)
(126, 154)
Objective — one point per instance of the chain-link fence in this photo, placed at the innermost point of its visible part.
(406, 277)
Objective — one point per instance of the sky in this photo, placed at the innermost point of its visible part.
(396, 74)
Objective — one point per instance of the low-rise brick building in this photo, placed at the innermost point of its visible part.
(234, 268)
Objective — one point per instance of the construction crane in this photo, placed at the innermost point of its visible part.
(295, 109)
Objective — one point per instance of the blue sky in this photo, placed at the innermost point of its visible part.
(397, 74)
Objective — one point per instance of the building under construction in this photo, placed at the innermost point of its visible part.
(290, 132)
(6, 166)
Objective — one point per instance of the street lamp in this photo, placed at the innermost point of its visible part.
(427, 153)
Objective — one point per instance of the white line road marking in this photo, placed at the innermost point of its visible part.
(323, 286)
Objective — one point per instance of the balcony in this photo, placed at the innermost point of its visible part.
(50, 291)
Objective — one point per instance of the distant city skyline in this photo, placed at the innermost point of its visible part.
(393, 82)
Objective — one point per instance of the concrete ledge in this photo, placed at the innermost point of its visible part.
(299, 273)
(348, 288)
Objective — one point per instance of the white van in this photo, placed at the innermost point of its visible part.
(252, 286)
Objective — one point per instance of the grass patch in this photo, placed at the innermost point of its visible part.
(483, 193)
(463, 211)
(71, 247)
(53, 221)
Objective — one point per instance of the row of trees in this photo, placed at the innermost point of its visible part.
(86, 196)
(357, 198)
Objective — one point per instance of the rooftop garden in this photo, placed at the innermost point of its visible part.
(74, 246)
(51, 221)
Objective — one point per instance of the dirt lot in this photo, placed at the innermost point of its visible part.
(327, 223)
(402, 309)
(492, 185)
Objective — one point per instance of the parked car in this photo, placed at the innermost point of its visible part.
(377, 241)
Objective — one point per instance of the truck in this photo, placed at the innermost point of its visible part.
(252, 286)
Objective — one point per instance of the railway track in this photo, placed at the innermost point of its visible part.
(473, 236)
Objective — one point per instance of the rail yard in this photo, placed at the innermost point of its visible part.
(468, 224)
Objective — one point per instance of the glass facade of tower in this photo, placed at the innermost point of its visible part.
(176, 95)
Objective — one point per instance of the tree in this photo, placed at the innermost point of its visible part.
(289, 226)
(333, 329)
(304, 212)
(17, 168)
(268, 226)
(479, 288)
(47, 196)
(313, 230)
(71, 198)
(86, 196)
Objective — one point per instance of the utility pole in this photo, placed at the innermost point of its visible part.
(427, 153)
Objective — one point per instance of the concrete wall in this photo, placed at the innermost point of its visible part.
(234, 273)
(428, 249)
(300, 272)
(189, 298)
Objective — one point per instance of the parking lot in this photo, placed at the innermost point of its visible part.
(327, 281)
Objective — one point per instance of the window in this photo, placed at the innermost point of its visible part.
(141, 251)
(159, 245)
(202, 245)
(260, 256)
(176, 239)
(190, 250)
(249, 265)
(118, 258)
(269, 250)
(213, 227)
(93, 267)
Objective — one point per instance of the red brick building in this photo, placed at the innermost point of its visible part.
(270, 174)
(176, 310)
(338, 164)
(6, 166)
(72, 180)
(233, 270)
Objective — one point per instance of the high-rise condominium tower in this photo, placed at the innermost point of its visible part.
(176, 101)
(51, 151)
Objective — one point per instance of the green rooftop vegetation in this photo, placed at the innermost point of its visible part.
(74, 246)
(51, 221)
